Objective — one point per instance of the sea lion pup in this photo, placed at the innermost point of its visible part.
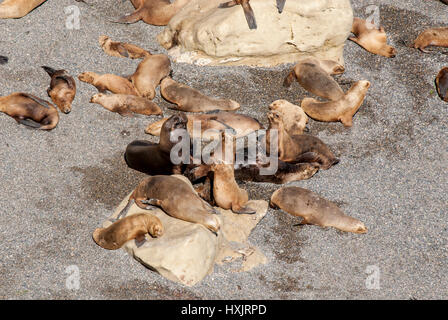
(248, 12)
(17, 8)
(342, 110)
(149, 73)
(30, 110)
(3, 60)
(128, 228)
(126, 104)
(314, 209)
(154, 159)
(432, 37)
(109, 82)
(242, 124)
(442, 84)
(155, 12)
(191, 100)
(298, 148)
(122, 49)
(371, 38)
(177, 198)
(62, 90)
(314, 76)
(295, 119)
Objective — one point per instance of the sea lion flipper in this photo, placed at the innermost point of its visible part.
(3, 60)
(289, 79)
(245, 210)
(308, 157)
(152, 203)
(130, 18)
(37, 100)
(140, 240)
(29, 123)
(280, 5)
(228, 4)
(250, 16)
(213, 111)
(49, 70)
(125, 210)
(122, 51)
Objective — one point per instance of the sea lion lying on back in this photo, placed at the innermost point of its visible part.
(314, 76)
(149, 73)
(191, 100)
(432, 37)
(109, 82)
(3, 60)
(122, 49)
(62, 90)
(314, 209)
(17, 8)
(126, 104)
(155, 12)
(442, 84)
(294, 118)
(371, 38)
(30, 110)
(342, 110)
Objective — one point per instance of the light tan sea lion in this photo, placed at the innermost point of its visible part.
(342, 110)
(177, 198)
(126, 104)
(128, 228)
(18, 8)
(314, 76)
(122, 49)
(149, 73)
(371, 38)
(109, 82)
(30, 110)
(191, 100)
(155, 12)
(248, 12)
(314, 209)
(432, 37)
(442, 84)
(62, 90)
(295, 119)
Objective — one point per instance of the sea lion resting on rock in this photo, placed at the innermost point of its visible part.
(314, 209)
(3, 60)
(126, 104)
(149, 73)
(155, 12)
(62, 90)
(342, 110)
(371, 38)
(442, 84)
(30, 110)
(432, 37)
(314, 75)
(177, 198)
(128, 228)
(18, 8)
(191, 100)
(122, 49)
(109, 82)
(295, 119)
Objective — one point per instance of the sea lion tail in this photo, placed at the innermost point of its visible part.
(130, 18)
(3, 60)
(289, 79)
(49, 70)
(30, 123)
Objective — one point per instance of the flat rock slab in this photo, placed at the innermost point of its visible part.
(204, 34)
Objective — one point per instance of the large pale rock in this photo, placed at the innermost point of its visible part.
(202, 33)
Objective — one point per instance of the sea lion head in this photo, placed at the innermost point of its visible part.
(64, 99)
(176, 122)
(86, 77)
(97, 97)
(442, 84)
(103, 39)
(275, 118)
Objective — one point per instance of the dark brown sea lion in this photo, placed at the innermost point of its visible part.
(126, 104)
(122, 49)
(191, 100)
(133, 227)
(3, 60)
(177, 198)
(155, 12)
(314, 209)
(371, 38)
(18, 8)
(62, 90)
(30, 110)
(248, 12)
(149, 73)
(109, 82)
(442, 84)
(432, 37)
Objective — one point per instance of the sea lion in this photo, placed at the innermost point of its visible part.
(314, 209)
(18, 8)
(177, 198)
(314, 76)
(342, 110)
(432, 37)
(122, 49)
(248, 12)
(30, 110)
(191, 100)
(62, 90)
(154, 159)
(3, 60)
(128, 228)
(298, 148)
(155, 12)
(242, 124)
(126, 104)
(371, 38)
(442, 84)
(109, 82)
(149, 73)
(295, 119)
